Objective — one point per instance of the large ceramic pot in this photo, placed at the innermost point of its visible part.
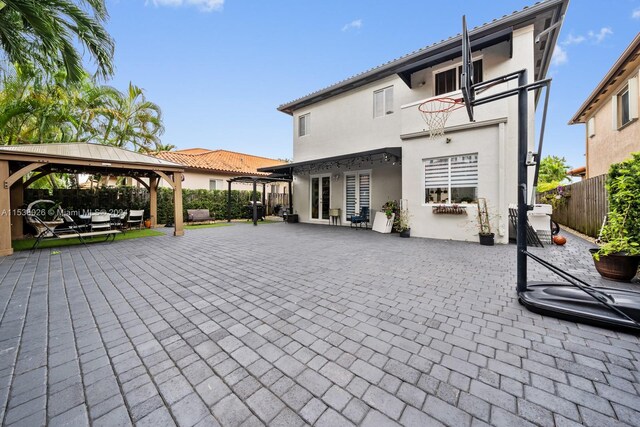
(486, 239)
(619, 267)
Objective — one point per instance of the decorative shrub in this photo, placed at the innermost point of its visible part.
(622, 231)
(115, 199)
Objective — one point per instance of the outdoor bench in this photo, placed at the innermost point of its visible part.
(198, 215)
(69, 232)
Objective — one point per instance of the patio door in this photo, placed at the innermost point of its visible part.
(357, 192)
(320, 197)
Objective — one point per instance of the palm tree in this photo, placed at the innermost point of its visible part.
(47, 33)
(136, 122)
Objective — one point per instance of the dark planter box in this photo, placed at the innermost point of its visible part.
(618, 267)
(486, 239)
(406, 233)
(293, 218)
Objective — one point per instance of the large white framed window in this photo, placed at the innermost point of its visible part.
(624, 104)
(383, 102)
(304, 124)
(449, 80)
(451, 179)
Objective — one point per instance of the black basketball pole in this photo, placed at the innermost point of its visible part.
(523, 131)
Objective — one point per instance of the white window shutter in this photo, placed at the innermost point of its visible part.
(633, 98)
(614, 112)
(388, 99)
(378, 103)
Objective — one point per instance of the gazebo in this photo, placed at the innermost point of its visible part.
(255, 180)
(17, 161)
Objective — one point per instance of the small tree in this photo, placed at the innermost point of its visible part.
(553, 171)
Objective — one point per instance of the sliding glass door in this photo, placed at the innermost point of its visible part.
(320, 197)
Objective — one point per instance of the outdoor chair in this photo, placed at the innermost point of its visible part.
(135, 218)
(100, 221)
(361, 218)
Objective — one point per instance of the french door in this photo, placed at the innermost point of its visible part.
(357, 192)
(320, 196)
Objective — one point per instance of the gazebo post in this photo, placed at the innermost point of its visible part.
(253, 199)
(5, 210)
(177, 204)
(153, 201)
(229, 202)
(264, 200)
(16, 198)
(290, 200)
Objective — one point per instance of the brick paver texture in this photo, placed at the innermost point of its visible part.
(294, 324)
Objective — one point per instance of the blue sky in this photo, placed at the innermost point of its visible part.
(219, 68)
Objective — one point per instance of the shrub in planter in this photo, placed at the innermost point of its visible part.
(620, 237)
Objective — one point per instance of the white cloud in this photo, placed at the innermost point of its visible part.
(600, 35)
(573, 40)
(353, 25)
(203, 5)
(559, 56)
(636, 13)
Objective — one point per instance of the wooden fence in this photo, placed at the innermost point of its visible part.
(582, 206)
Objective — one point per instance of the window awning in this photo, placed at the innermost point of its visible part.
(388, 154)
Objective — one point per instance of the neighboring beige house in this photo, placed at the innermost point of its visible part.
(210, 169)
(362, 141)
(611, 114)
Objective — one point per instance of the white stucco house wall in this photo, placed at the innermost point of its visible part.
(362, 141)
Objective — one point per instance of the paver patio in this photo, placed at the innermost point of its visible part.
(287, 324)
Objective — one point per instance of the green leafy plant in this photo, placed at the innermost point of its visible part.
(616, 239)
(621, 233)
(402, 220)
(390, 208)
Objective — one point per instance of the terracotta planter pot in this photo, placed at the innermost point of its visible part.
(486, 239)
(147, 223)
(618, 267)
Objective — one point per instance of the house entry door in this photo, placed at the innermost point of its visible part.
(320, 197)
(357, 192)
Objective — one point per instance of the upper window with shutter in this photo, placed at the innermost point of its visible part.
(304, 123)
(451, 179)
(383, 102)
(624, 104)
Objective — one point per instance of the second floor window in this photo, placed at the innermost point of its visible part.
(623, 107)
(449, 80)
(383, 102)
(304, 123)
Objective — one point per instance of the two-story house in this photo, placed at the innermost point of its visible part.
(611, 114)
(363, 141)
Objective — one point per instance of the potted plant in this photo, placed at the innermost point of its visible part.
(484, 225)
(147, 222)
(402, 223)
(618, 256)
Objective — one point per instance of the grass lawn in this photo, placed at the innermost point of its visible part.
(195, 227)
(22, 245)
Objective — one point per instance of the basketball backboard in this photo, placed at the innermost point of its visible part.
(466, 78)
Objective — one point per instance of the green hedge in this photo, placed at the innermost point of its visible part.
(125, 198)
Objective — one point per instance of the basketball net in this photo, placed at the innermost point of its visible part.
(435, 113)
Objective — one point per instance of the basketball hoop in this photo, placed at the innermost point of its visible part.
(435, 113)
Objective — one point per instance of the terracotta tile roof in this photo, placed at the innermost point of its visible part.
(219, 161)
